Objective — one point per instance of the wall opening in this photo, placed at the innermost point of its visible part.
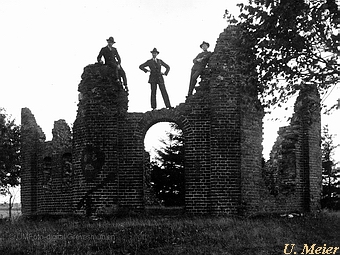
(164, 178)
(67, 171)
(47, 174)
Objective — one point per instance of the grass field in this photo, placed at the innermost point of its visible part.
(171, 235)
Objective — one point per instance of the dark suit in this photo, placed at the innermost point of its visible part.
(112, 59)
(111, 56)
(197, 69)
(157, 78)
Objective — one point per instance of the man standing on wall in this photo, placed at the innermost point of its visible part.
(156, 77)
(113, 60)
(200, 62)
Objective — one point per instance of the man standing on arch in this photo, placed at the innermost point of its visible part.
(156, 77)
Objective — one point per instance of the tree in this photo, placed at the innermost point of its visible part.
(289, 43)
(167, 175)
(330, 174)
(9, 156)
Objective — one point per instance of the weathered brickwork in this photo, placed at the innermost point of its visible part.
(32, 138)
(293, 173)
(100, 167)
(55, 172)
(47, 174)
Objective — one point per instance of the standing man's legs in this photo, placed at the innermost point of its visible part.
(153, 95)
(114, 68)
(122, 74)
(193, 80)
(165, 95)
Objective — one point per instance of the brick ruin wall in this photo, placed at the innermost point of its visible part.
(46, 179)
(98, 168)
(292, 176)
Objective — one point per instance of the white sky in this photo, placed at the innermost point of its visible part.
(46, 44)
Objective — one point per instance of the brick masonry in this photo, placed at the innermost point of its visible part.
(98, 168)
(293, 173)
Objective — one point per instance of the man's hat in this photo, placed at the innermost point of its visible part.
(155, 50)
(110, 40)
(204, 43)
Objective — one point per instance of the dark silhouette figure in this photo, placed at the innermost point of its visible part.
(113, 60)
(156, 77)
(200, 62)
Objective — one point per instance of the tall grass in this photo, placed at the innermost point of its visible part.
(164, 235)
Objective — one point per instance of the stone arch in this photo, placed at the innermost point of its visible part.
(148, 120)
(165, 115)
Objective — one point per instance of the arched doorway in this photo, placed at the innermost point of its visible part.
(164, 168)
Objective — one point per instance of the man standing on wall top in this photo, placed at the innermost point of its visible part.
(156, 77)
(113, 60)
(200, 62)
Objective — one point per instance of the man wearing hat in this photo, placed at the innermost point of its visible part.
(112, 59)
(156, 77)
(200, 62)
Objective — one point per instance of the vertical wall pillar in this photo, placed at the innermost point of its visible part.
(251, 150)
(32, 139)
(197, 154)
(307, 110)
(225, 126)
(95, 140)
(236, 130)
(131, 164)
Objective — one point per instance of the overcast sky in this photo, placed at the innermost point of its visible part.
(46, 44)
